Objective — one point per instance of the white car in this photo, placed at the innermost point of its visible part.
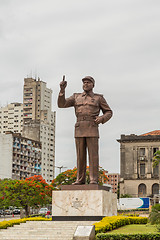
(43, 211)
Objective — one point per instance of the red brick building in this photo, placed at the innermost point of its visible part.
(113, 180)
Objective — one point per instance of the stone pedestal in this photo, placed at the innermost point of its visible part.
(83, 203)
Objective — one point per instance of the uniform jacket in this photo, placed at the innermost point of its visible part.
(87, 108)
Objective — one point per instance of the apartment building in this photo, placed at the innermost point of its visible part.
(20, 157)
(11, 118)
(113, 180)
(39, 122)
(137, 175)
(37, 100)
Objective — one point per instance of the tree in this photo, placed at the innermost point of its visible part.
(69, 176)
(31, 192)
(156, 159)
(154, 216)
(156, 162)
(126, 196)
(4, 200)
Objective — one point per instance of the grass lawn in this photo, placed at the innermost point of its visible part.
(135, 228)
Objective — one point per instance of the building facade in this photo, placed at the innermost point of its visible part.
(20, 157)
(113, 180)
(137, 175)
(37, 99)
(11, 118)
(39, 122)
(35, 120)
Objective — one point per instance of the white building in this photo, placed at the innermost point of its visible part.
(11, 118)
(6, 153)
(20, 157)
(39, 122)
(35, 120)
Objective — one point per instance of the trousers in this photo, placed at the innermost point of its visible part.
(82, 144)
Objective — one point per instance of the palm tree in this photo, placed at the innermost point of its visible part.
(156, 162)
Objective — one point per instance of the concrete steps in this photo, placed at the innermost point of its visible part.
(42, 230)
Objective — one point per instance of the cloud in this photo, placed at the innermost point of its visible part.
(117, 42)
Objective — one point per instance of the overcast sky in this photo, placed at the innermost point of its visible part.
(117, 42)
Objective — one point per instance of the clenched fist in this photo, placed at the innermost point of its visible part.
(63, 85)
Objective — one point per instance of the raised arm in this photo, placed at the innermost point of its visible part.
(62, 101)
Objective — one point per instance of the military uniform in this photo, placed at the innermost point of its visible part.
(87, 108)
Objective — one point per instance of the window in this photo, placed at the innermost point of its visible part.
(155, 150)
(142, 151)
(156, 171)
(142, 169)
(155, 188)
(142, 190)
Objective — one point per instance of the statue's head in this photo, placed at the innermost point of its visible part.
(88, 83)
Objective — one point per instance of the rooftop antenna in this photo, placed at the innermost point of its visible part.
(36, 74)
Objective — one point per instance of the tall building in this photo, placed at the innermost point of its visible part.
(37, 100)
(20, 157)
(137, 175)
(11, 118)
(39, 122)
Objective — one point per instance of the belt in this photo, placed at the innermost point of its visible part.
(85, 118)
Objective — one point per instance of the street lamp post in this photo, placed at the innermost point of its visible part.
(60, 168)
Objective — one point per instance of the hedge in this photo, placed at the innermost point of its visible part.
(110, 223)
(134, 210)
(147, 236)
(11, 223)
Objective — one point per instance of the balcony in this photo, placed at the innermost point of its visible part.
(27, 115)
(27, 111)
(27, 90)
(27, 100)
(29, 94)
(27, 107)
(142, 176)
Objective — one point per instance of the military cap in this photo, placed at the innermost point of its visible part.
(89, 78)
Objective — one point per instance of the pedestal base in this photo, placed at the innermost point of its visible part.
(83, 205)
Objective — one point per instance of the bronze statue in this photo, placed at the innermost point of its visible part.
(87, 108)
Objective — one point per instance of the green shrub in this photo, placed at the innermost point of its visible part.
(38, 215)
(129, 214)
(110, 223)
(148, 236)
(154, 217)
(11, 223)
(134, 210)
(6, 224)
(156, 207)
(158, 227)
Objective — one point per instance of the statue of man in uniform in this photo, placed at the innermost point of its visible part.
(87, 108)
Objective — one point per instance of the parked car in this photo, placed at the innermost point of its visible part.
(8, 212)
(16, 211)
(1, 212)
(43, 211)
